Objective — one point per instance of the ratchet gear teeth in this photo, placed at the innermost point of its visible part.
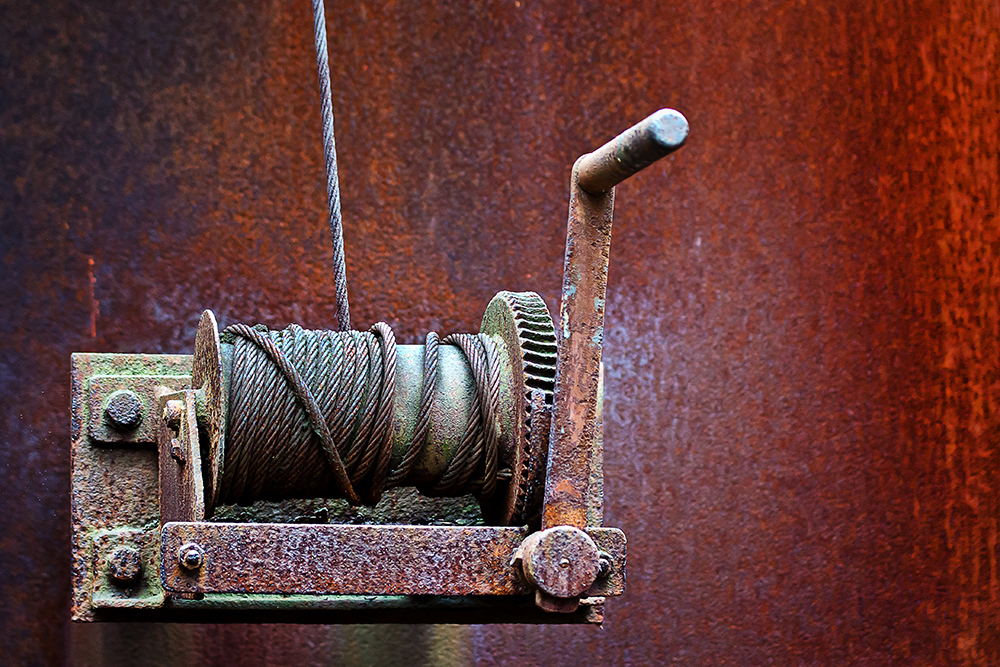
(522, 321)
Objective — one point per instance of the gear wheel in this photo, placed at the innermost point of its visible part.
(522, 322)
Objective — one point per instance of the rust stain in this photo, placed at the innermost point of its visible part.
(94, 304)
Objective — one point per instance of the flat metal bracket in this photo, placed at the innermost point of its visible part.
(126, 563)
(101, 388)
(361, 560)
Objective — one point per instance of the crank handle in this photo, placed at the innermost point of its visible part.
(574, 442)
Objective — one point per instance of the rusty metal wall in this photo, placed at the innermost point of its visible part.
(804, 304)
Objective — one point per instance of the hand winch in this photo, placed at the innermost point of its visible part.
(268, 421)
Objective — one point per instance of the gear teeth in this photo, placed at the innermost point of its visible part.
(537, 337)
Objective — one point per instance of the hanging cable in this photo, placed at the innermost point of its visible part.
(332, 181)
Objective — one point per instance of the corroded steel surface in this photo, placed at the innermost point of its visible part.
(576, 421)
(361, 560)
(181, 481)
(521, 323)
(801, 349)
(113, 487)
(123, 410)
(581, 338)
(561, 561)
(638, 147)
(101, 389)
(211, 370)
(113, 532)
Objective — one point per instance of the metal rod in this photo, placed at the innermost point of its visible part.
(581, 334)
(632, 151)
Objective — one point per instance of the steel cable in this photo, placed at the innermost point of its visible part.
(348, 407)
(332, 180)
(310, 415)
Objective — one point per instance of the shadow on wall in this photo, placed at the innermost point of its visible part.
(162, 645)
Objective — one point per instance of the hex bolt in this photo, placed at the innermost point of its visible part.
(123, 410)
(605, 564)
(124, 565)
(191, 556)
(172, 413)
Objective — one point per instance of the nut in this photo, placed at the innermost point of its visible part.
(605, 564)
(124, 565)
(191, 556)
(172, 413)
(177, 451)
(123, 410)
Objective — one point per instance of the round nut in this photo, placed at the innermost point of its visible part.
(124, 565)
(190, 556)
(561, 561)
(123, 410)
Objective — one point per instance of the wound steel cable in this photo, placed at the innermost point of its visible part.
(306, 401)
(481, 442)
(310, 413)
(424, 415)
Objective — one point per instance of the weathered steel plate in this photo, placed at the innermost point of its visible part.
(360, 560)
(100, 387)
(181, 483)
(143, 593)
(113, 489)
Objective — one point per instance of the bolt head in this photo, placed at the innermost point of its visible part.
(124, 565)
(191, 556)
(605, 565)
(123, 410)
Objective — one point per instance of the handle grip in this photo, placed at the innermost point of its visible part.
(632, 151)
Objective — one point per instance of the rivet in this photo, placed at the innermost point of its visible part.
(123, 410)
(124, 565)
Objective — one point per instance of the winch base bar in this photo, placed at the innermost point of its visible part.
(361, 560)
